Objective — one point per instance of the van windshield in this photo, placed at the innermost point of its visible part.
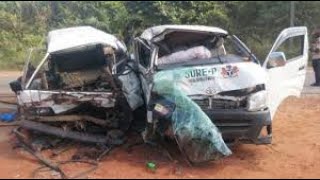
(213, 49)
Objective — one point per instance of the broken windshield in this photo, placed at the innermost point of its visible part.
(201, 49)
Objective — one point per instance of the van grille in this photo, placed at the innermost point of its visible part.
(221, 103)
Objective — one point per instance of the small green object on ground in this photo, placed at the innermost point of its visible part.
(151, 166)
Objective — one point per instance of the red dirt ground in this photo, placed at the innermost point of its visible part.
(294, 153)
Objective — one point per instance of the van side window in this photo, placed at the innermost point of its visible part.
(292, 47)
(144, 55)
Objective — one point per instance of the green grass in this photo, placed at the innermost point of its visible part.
(10, 65)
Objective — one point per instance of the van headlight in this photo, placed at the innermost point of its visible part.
(257, 101)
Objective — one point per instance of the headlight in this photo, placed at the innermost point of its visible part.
(257, 101)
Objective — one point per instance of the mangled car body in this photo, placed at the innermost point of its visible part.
(199, 85)
(190, 73)
(78, 80)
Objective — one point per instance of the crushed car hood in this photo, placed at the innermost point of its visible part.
(213, 79)
(69, 38)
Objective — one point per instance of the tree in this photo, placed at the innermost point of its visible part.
(257, 23)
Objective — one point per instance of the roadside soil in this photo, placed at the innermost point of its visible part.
(294, 153)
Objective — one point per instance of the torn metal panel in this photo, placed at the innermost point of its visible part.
(74, 92)
(132, 88)
(61, 101)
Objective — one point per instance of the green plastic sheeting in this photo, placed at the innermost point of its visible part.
(196, 135)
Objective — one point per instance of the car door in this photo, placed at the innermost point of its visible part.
(143, 56)
(286, 66)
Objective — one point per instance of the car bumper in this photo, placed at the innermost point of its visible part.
(242, 125)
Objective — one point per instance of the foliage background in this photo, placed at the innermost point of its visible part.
(257, 23)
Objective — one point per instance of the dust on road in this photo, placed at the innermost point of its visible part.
(294, 153)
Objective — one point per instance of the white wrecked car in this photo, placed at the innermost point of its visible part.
(78, 80)
(222, 76)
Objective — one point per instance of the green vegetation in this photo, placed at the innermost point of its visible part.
(25, 24)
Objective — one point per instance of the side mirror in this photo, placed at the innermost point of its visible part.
(276, 59)
(15, 86)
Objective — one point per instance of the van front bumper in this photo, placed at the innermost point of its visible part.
(242, 125)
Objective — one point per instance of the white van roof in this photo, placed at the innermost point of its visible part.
(74, 37)
(152, 32)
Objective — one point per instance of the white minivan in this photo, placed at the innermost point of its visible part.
(219, 72)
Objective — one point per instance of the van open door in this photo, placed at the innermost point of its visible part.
(286, 66)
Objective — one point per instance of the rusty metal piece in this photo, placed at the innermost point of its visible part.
(47, 98)
(84, 137)
(68, 118)
(109, 78)
(79, 78)
(65, 146)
